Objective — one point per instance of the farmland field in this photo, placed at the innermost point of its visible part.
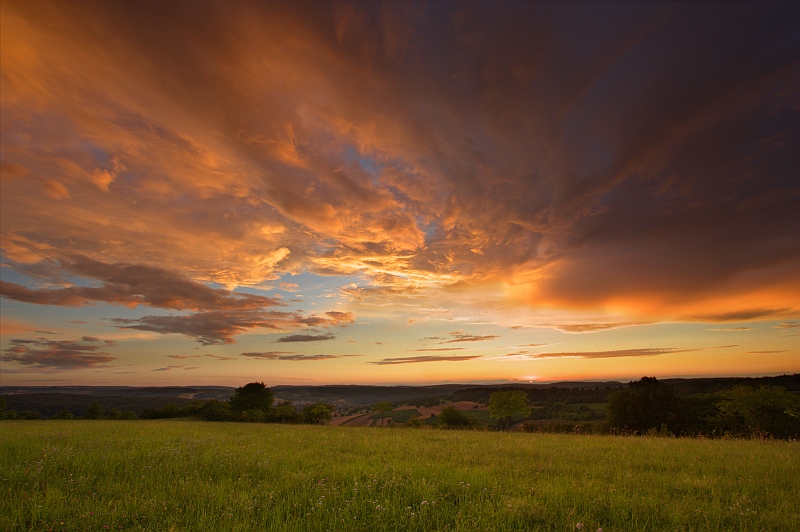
(190, 475)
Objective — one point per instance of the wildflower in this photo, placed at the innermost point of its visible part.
(579, 526)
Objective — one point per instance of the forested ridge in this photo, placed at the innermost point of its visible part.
(711, 407)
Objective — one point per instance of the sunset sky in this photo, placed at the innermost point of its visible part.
(398, 193)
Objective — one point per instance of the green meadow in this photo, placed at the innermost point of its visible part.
(192, 475)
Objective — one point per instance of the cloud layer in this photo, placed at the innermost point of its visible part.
(49, 355)
(616, 353)
(582, 167)
(422, 358)
(294, 357)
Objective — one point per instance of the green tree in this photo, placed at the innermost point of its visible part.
(763, 411)
(214, 410)
(252, 396)
(285, 412)
(5, 412)
(645, 405)
(383, 407)
(503, 406)
(318, 413)
(414, 423)
(63, 414)
(452, 417)
(95, 411)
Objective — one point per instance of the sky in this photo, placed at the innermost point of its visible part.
(214, 193)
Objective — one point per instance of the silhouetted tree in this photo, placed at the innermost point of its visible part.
(215, 410)
(414, 423)
(94, 412)
(452, 417)
(694, 415)
(285, 413)
(503, 406)
(252, 396)
(763, 411)
(383, 407)
(5, 412)
(318, 413)
(63, 414)
(646, 404)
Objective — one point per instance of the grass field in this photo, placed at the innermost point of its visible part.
(187, 475)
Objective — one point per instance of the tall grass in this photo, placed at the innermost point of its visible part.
(185, 475)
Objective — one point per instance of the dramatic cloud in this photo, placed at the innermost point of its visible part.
(743, 315)
(397, 289)
(588, 327)
(442, 349)
(43, 354)
(645, 352)
(180, 366)
(209, 355)
(306, 338)
(283, 355)
(462, 337)
(584, 180)
(425, 358)
(585, 166)
(210, 328)
(132, 285)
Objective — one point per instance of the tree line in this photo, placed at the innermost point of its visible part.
(646, 406)
(95, 411)
(649, 406)
(253, 403)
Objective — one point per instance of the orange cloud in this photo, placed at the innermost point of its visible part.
(650, 179)
(422, 358)
(57, 355)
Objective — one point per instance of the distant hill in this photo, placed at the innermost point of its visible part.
(50, 399)
(715, 384)
(361, 395)
(184, 392)
(49, 404)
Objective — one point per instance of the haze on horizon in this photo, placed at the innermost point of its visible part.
(397, 192)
